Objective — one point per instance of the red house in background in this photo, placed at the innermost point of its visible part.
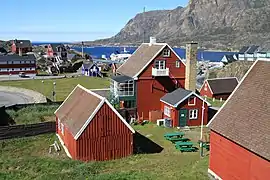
(89, 128)
(184, 108)
(240, 131)
(57, 50)
(21, 46)
(219, 87)
(153, 70)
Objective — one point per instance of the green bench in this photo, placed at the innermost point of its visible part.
(177, 139)
(205, 145)
(178, 134)
(185, 146)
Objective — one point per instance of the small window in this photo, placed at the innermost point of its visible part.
(25, 69)
(166, 53)
(30, 69)
(20, 68)
(12, 69)
(167, 111)
(192, 101)
(177, 64)
(205, 87)
(11, 62)
(8, 69)
(62, 128)
(193, 114)
(160, 64)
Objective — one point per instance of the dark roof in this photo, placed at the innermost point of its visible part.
(102, 92)
(175, 96)
(252, 49)
(243, 49)
(16, 57)
(121, 78)
(139, 59)
(222, 85)
(245, 117)
(55, 45)
(230, 58)
(3, 50)
(22, 43)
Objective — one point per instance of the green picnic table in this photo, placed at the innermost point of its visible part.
(177, 139)
(185, 146)
(205, 145)
(177, 134)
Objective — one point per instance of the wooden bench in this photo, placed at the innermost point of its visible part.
(177, 139)
(185, 146)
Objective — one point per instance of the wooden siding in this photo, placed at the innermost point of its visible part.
(17, 72)
(184, 105)
(230, 161)
(151, 89)
(105, 138)
(205, 90)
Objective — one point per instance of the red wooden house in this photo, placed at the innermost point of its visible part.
(219, 88)
(57, 50)
(21, 46)
(184, 108)
(153, 70)
(240, 131)
(89, 128)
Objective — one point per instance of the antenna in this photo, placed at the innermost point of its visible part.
(143, 24)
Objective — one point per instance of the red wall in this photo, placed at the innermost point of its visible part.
(184, 105)
(50, 51)
(13, 48)
(232, 162)
(151, 89)
(206, 92)
(106, 138)
(17, 72)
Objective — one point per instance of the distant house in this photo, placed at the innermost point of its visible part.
(21, 46)
(240, 131)
(91, 69)
(3, 50)
(184, 108)
(248, 53)
(14, 64)
(263, 53)
(72, 57)
(90, 128)
(219, 87)
(57, 50)
(228, 59)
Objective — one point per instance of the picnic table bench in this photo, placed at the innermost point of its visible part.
(177, 139)
(185, 146)
(177, 134)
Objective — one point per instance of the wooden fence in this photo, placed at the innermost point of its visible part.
(16, 131)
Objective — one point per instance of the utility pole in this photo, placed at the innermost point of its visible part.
(201, 139)
(82, 49)
(143, 24)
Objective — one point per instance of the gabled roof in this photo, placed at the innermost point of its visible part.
(80, 107)
(55, 45)
(121, 78)
(229, 58)
(102, 92)
(243, 49)
(245, 116)
(222, 85)
(141, 58)
(88, 65)
(22, 43)
(178, 96)
(252, 49)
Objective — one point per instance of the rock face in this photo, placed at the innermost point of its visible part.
(213, 23)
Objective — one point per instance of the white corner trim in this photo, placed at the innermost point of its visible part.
(63, 145)
(214, 174)
(147, 64)
(119, 115)
(239, 84)
(89, 119)
(66, 99)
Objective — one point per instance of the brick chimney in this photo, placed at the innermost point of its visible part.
(191, 66)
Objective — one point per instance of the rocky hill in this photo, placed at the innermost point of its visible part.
(213, 23)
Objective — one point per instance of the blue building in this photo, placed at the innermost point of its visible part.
(91, 69)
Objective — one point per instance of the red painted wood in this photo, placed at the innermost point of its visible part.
(184, 105)
(230, 161)
(205, 90)
(17, 72)
(151, 89)
(10, 66)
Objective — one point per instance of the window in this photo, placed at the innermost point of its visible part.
(62, 128)
(12, 69)
(20, 68)
(166, 53)
(193, 114)
(30, 69)
(192, 101)
(160, 64)
(167, 111)
(177, 64)
(205, 87)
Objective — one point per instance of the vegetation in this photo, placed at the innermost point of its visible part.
(28, 158)
(215, 102)
(63, 86)
(33, 114)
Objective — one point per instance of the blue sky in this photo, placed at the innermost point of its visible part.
(69, 20)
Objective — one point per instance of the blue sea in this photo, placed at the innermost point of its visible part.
(97, 52)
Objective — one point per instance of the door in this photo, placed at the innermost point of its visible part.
(183, 117)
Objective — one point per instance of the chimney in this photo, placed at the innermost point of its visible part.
(191, 66)
(152, 41)
(20, 51)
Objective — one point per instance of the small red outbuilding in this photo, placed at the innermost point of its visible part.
(240, 131)
(90, 128)
(184, 108)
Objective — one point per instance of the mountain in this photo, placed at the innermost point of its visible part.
(213, 23)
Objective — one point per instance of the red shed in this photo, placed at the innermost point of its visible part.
(184, 108)
(240, 131)
(90, 128)
(219, 87)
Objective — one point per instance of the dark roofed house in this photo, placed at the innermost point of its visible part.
(21, 46)
(248, 53)
(243, 50)
(3, 50)
(184, 108)
(228, 59)
(219, 87)
(91, 69)
(86, 114)
(57, 49)
(240, 131)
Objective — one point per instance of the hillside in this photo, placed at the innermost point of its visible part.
(213, 23)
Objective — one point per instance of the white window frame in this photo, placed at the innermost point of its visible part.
(177, 64)
(160, 63)
(166, 53)
(192, 104)
(167, 111)
(62, 128)
(193, 114)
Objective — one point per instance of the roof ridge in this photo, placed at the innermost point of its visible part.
(221, 78)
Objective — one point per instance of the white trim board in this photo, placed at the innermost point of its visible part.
(239, 84)
(214, 174)
(63, 145)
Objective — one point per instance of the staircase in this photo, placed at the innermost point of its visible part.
(174, 80)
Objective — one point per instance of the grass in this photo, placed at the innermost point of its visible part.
(28, 158)
(33, 114)
(216, 102)
(63, 86)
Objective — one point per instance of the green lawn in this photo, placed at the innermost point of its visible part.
(28, 158)
(216, 102)
(63, 86)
